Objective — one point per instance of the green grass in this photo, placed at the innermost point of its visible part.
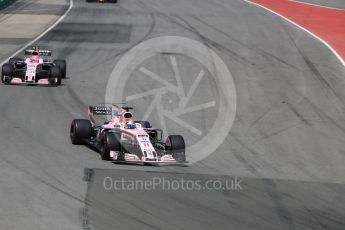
(5, 3)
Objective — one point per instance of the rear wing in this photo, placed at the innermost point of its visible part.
(100, 110)
(97, 113)
(47, 53)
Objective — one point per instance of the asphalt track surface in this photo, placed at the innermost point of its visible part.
(286, 144)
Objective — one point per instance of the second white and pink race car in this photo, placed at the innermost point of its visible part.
(36, 68)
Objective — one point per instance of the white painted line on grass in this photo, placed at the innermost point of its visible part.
(42, 34)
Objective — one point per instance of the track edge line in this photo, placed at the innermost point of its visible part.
(71, 4)
(302, 28)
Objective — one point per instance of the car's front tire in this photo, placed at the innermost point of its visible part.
(6, 74)
(55, 76)
(80, 131)
(62, 65)
(175, 144)
(110, 142)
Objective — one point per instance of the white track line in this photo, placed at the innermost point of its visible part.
(42, 34)
(313, 4)
(309, 32)
(34, 10)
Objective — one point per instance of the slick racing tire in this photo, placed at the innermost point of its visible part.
(80, 131)
(6, 74)
(111, 142)
(175, 144)
(55, 76)
(14, 60)
(62, 65)
(144, 124)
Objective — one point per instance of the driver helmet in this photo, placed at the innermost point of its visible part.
(130, 124)
(35, 57)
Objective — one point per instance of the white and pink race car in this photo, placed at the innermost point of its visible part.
(123, 140)
(35, 68)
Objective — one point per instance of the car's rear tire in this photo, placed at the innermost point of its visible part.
(62, 65)
(7, 72)
(80, 131)
(144, 124)
(175, 144)
(14, 60)
(55, 76)
(110, 142)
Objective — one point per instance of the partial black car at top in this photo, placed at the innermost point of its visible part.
(102, 1)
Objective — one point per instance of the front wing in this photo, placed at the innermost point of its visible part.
(132, 158)
(18, 81)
